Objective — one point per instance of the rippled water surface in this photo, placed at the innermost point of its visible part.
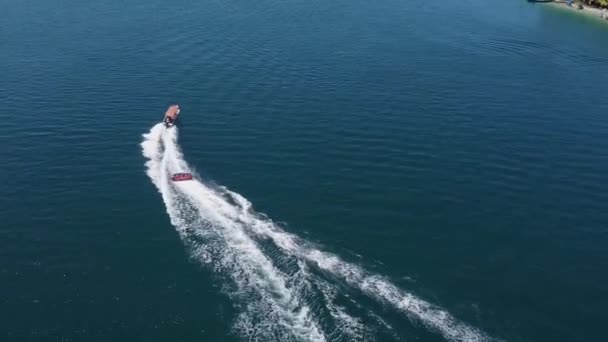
(372, 171)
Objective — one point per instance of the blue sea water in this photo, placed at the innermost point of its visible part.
(416, 170)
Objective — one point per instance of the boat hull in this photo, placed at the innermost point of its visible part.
(171, 116)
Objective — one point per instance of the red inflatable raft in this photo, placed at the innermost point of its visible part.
(181, 177)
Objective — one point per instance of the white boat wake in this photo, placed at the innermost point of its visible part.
(284, 287)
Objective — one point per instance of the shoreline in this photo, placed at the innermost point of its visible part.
(588, 11)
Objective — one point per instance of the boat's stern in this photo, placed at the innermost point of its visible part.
(169, 122)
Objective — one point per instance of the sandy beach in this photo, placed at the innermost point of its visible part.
(588, 11)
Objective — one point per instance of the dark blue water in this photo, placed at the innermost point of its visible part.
(453, 153)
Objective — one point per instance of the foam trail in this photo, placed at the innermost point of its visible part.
(229, 217)
(271, 308)
(375, 286)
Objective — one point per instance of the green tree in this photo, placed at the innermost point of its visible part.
(595, 3)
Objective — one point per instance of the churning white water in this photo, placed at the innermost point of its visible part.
(272, 275)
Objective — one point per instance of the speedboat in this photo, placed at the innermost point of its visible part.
(183, 176)
(171, 115)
